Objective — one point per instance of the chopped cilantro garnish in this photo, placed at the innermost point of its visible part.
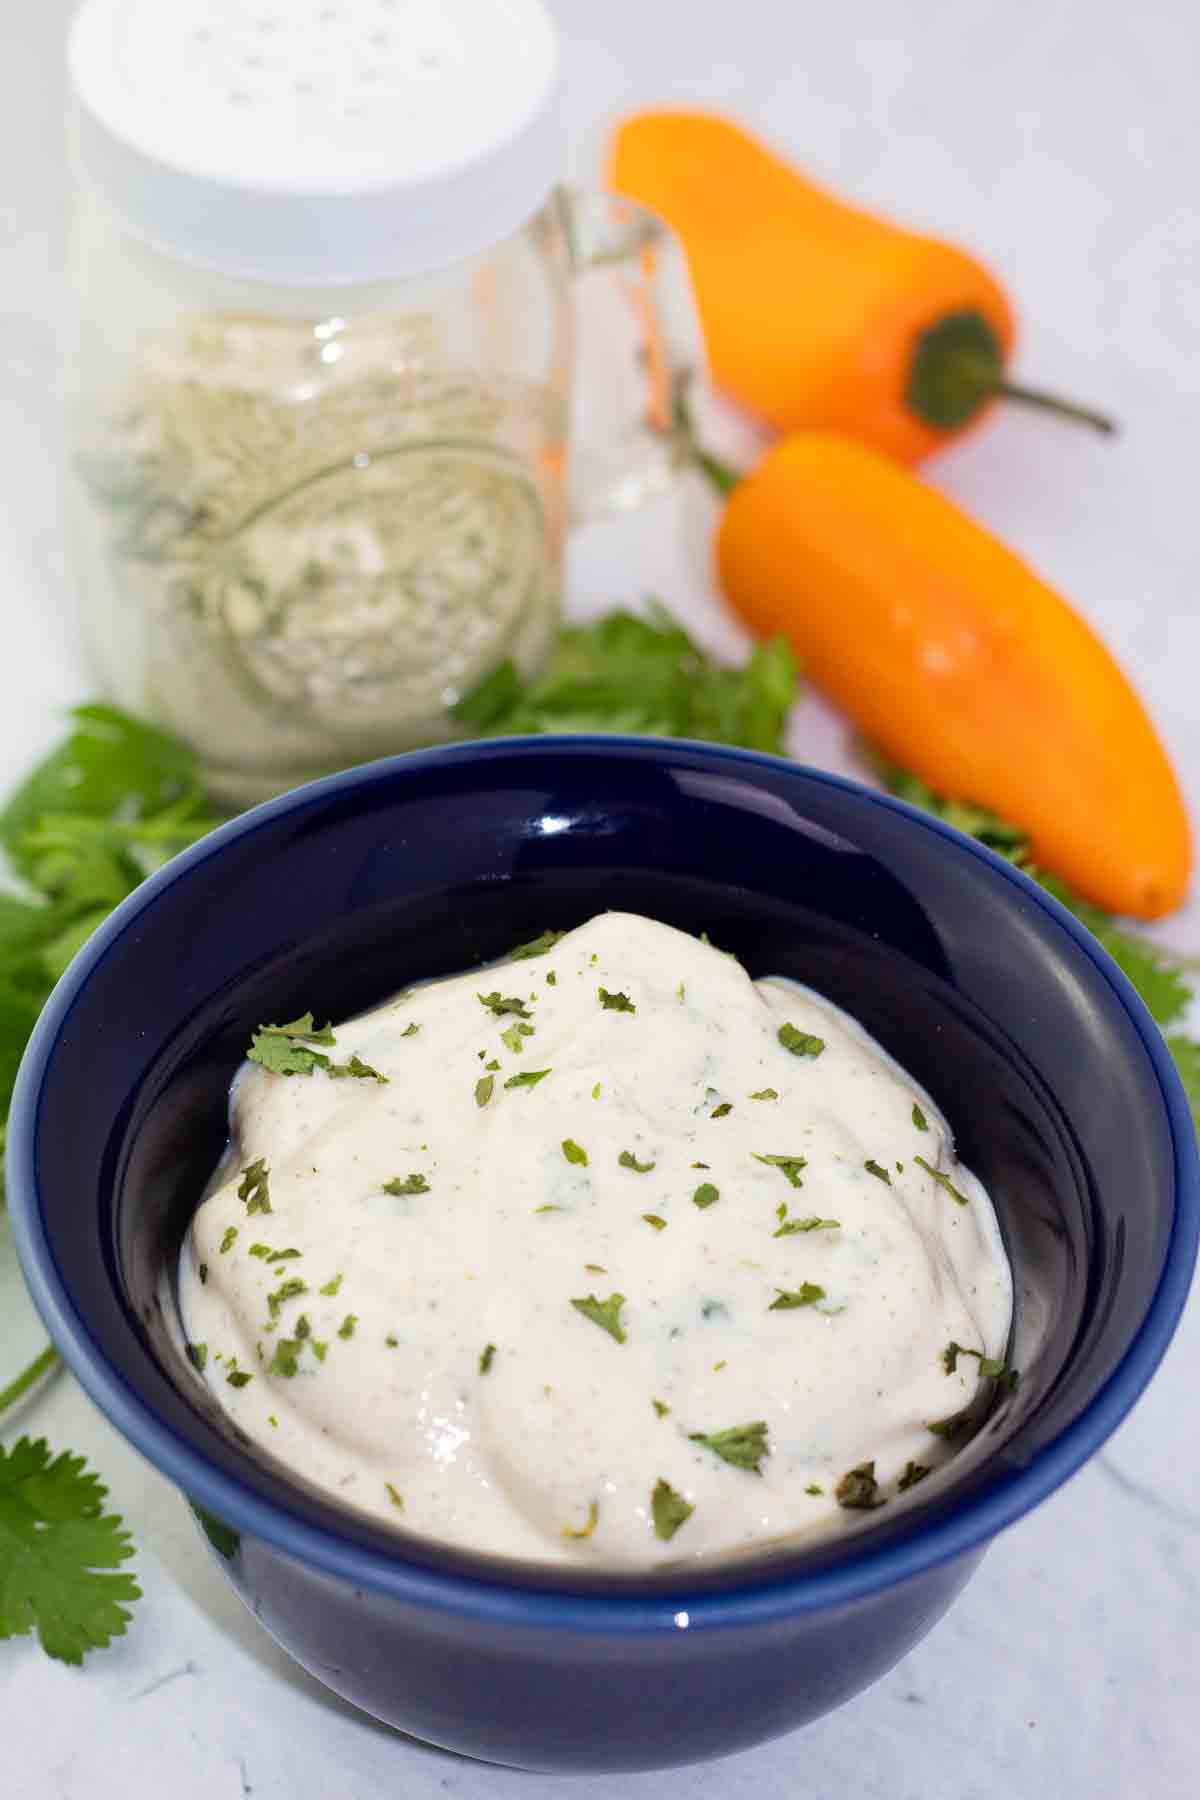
(655, 1219)
(392, 1341)
(487, 1357)
(286, 1359)
(766, 1094)
(574, 1153)
(331, 1287)
(304, 1029)
(943, 1181)
(484, 1090)
(395, 1496)
(202, 1271)
(410, 1031)
(255, 1189)
(346, 1328)
(287, 1290)
(800, 1043)
(792, 1227)
(788, 1300)
(551, 978)
(628, 1160)
(412, 1184)
(499, 1004)
(952, 1427)
(790, 1166)
(742, 1445)
(595, 1268)
(706, 1195)
(198, 1356)
(278, 1256)
(615, 1002)
(537, 946)
(722, 1111)
(528, 1078)
(282, 1057)
(669, 1510)
(919, 1119)
(604, 1313)
(913, 1472)
(877, 1169)
(261, 1251)
(991, 1368)
(858, 1490)
(358, 1070)
(661, 1409)
(814, 1488)
(320, 1350)
(238, 1378)
(229, 1239)
(596, 1091)
(547, 1206)
(514, 1037)
(303, 1326)
(585, 1531)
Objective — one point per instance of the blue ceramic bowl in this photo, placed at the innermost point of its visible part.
(1052, 1073)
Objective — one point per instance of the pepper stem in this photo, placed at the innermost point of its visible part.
(1054, 403)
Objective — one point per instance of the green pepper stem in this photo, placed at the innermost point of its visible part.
(1054, 403)
(21, 1386)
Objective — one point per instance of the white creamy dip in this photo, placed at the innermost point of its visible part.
(574, 1269)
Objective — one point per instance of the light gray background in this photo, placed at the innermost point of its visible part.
(1060, 138)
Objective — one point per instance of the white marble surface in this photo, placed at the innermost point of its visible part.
(1061, 138)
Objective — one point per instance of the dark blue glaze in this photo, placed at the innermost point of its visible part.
(1052, 1073)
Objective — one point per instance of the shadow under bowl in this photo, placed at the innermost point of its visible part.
(1055, 1080)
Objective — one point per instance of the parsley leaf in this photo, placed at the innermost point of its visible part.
(604, 1313)
(628, 1160)
(574, 1153)
(669, 1510)
(281, 1057)
(499, 1005)
(484, 1090)
(615, 1002)
(346, 1328)
(858, 1490)
(59, 1553)
(254, 1188)
(229, 1239)
(876, 1169)
(706, 1195)
(287, 1290)
(791, 1227)
(412, 1184)
(331, 1287)
(514, 1038)
(529, 1078)
(800, 1043)
(807, 1294)
(304, 1029)
(742, 1445)
(722, 1111)
(286, 1360)
(537, 946)
(943, 1181)
(788, 1165)
(766, 1094)
(919, 1119)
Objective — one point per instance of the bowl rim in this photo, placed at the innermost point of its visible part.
(762, 1598)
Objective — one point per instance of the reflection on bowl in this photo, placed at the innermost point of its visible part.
(1051, 1072)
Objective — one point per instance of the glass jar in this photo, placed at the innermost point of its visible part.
(319, 432)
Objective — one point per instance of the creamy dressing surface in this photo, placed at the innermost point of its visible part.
(420, 1354)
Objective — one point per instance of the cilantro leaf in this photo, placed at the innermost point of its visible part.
(792, 1227)
(919, 1119)
(913, 1472)
(514, 1037)
(706, 1195)
(604, 1313)
(529, 1078)
(800, 1043)
(499, 1006)
(643, 675)
(766, 1094)
(669, 1510)
(356, 1069)
(347, 1327)
(59, 1553)
(538, 946)
(574, 1153)
(615, 1002)
(304, 1029)
(254, 1187)
(228, 1240)
(628, 1160)
(412, 1184)
(790, 1166)
(280, 1056)
(484, 1089)
(788, 1300)
(286, 1360)
(858, 1490)
(742, 1445)
(876, 1169)
(943, 1181)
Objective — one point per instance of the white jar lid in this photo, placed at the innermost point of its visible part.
(317, 141)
